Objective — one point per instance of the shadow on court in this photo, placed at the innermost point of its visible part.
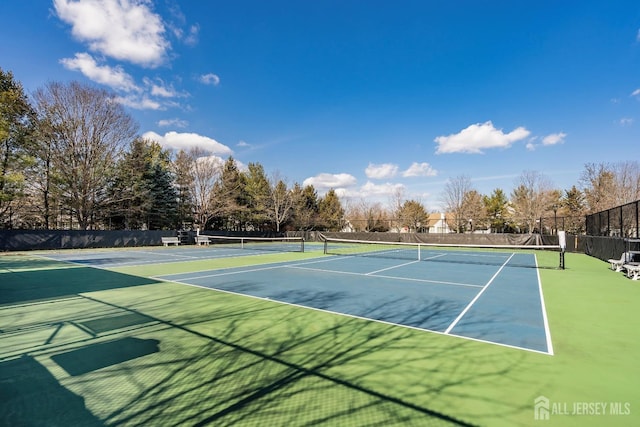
(178, 355)
(31, 396)
(343, 372)
(97, 356)
(36, 280)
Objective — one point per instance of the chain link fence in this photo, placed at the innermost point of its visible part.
(621, 221)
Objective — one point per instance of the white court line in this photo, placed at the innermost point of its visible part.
(408, 279)
(455, 322)
(547, 330)
(435, 256)
(169, 255)
(391, 268)
(225, 272)
(354, 316)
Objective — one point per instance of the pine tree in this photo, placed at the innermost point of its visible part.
(17, 120)
(331, 212)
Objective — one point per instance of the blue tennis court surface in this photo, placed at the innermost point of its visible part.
(489, 300)
(498, 304)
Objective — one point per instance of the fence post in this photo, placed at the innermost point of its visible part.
(621, 223)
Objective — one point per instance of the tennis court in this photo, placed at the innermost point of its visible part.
(220, 335)
(500, 305)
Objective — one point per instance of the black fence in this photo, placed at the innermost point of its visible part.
(548, 225)
(621, 221)
(22, 240)
(26, 240)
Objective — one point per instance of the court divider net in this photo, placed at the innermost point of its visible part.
(276, 244)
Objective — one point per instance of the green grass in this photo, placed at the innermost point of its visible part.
(185, 355)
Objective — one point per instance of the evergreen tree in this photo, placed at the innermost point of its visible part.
(413, 215)
(229, 197)
(305, 207)
(495, 206)
(574, 206)
(163, 213)
(258, 196)
(184, 184)
(142, 193)
(17, 120)
(330, 212)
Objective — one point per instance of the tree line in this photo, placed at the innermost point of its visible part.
(71, 157)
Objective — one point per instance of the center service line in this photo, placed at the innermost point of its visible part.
(455, 322)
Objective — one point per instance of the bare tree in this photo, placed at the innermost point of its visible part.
(88, 130)
(606, 185)
(205, 172)
(281, 201)
(396, 200)
(598, 181)
(627, 177)
(453, 197)
(366, 215)
(531, 198)
(474, 210)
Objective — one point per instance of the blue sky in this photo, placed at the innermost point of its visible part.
(365, 97)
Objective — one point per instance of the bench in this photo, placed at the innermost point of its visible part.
(170, 241)
(202, 240)
(617, 264)
(633, 270)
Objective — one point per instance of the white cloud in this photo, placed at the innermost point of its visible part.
(420, 169)
(530, 146)
(370, 189)
(328, 180)
(179, 123)
(625, 121)
(180, 141)
(243, 144)
(635, 92)
(163, 91)
(382, 171)
(158, 88)
(126, 30)
(554, 138)
(139, 102)
(209, 79)
(214, 162)
(114, 77)
(192, 36)
(478, 137)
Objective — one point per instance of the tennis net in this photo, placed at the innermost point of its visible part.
(277, 244)
(532, 256)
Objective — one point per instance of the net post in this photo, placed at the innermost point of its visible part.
(419, 249)
(241, 243)
(326, 249)
(562, 241)
(302, 245)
